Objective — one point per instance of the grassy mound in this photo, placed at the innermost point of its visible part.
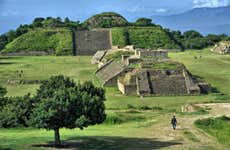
(51, 41)
(143, 37)
(217, 127)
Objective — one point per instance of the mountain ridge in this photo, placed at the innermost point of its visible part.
(205, 20)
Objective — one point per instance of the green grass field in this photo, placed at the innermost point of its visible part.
(218, 127)
(132, 123)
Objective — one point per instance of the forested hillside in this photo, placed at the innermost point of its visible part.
(54, 35)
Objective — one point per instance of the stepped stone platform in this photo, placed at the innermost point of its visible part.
(150, 81)
(97, 58)
(152, 73)
(222, 48)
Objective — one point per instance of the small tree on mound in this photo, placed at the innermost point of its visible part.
(2, 91)
(143, 22)
(63, 104)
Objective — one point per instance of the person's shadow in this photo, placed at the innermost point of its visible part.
(111, 143)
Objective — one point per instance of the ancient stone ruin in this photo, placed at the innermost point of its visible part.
(149, 72)
(222, 48)
(89, 42)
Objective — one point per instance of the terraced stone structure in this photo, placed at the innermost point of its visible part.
(89, 42)
(145, 77)
(168, 78)
(111, 71)
(222, 48)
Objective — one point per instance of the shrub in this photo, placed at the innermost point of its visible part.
(16, 111)
(143, 22)
(113, 119)
(217, 127)
(2, 91)
(129, 106)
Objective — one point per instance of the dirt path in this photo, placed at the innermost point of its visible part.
(190, 137)
(187, 136)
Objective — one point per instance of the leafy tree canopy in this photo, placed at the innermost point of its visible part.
(2, 91)
(143, 22)
(192, 34)
(61, 103)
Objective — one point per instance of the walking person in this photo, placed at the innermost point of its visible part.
(174, 122)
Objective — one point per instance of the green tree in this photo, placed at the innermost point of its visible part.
(11, 35)
(2, 91)
(191, 34)
(3, 41)
(15, 111)
(63, 104)
(143, 22)
(22, 29)
(38, 22)
(67, 20)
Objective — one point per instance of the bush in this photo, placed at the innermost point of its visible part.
(216, 123)
(223, 97)
(217, 127)
(119, 118)
(129, 106)
(15, 112)
(120, 37)
(2, 91)
(143, 22)
(113, 119)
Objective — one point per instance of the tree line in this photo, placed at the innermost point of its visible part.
(39, 22)
(187, 40)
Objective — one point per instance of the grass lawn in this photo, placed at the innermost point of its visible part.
(217, 127)
(127, 127)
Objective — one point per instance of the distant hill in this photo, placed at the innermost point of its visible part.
(54, 36)
(204, 20)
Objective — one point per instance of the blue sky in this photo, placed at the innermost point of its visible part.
(16, 12)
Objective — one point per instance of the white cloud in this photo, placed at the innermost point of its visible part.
(136, 9)
(161, 10)
(10, 13)
(210, 3)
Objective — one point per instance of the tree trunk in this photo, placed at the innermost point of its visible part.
(57, 137)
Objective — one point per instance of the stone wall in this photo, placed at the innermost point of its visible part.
(127, 89)
(222, 48)
(150, 54)
(89, 42)
(168, 82)
(143, 85)
(192, 87)
(110, 72)
(29, 53)
(158, 82)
